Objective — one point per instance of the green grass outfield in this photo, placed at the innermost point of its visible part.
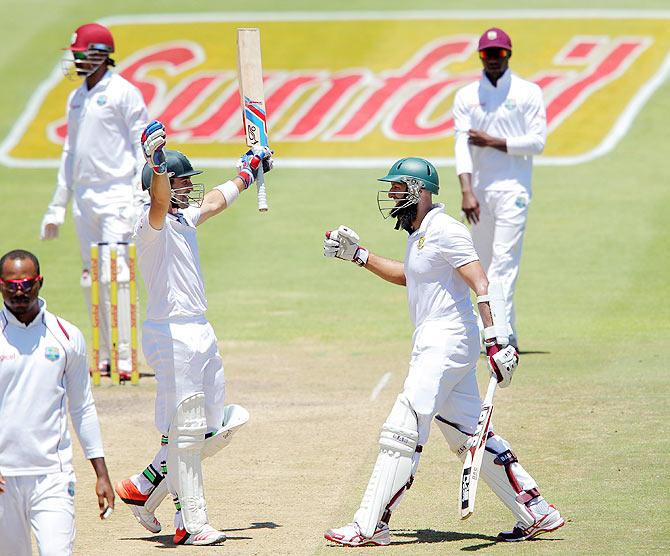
(592, 297)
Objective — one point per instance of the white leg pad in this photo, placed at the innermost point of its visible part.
(234, 416)
(393, 469)
(500, 470)
(185, 441)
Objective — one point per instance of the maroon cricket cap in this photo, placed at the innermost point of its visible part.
(495, 38)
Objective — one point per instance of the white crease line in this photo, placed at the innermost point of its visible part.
(383, 381)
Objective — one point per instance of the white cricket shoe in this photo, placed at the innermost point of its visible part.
(207, 535)
(131, 495)
(544, 523)
(350, 535)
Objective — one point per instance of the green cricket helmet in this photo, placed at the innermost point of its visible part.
(178, 166)
(416, 173)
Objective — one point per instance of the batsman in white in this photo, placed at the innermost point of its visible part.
(500, 124)
(439, 270)
(100, 167)
(177, 340)
(43, 371)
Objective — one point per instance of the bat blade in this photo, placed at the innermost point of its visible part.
(252, 99)
(473, 459)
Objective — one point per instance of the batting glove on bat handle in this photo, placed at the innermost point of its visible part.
(249, 163)
(502, 363)
(153, 140)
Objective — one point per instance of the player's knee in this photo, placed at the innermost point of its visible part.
(400, 432)
(458, 441)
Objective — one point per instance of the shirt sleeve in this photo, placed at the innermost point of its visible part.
(80, 399)
(462, 125)
(136, 117)
(532, 143)
(144, 231)
(456, 245)
(192, 214)
(64, 179)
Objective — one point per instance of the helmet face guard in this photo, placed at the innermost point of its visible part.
(390, 206)
(190, 195)
(81, 64)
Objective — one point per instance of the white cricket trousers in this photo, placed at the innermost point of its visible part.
(498, 239)
(186, 359)
(442, 381)
(106, 214)
(43, 503)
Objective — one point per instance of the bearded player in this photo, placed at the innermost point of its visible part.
(178, 342)
(439, 270)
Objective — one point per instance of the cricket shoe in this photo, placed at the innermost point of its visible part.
(131, 495)
(544, 523)
(207, 535)
(350, 535)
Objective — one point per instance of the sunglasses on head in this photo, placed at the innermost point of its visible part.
(25, 284)
(490, 53)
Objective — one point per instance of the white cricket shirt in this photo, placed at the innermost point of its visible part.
(43, 371)
(104, 126)
(434, 289)
(170, 266)
(513, 110)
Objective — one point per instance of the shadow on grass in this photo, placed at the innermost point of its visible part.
(167, 542)
(531, 352)
(429, 536)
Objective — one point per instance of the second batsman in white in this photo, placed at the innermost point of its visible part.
(439, 270)
(178, 341)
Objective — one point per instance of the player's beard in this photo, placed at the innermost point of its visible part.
(405, 217)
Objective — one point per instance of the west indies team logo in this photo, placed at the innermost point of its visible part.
(52, 353)
(358, 90)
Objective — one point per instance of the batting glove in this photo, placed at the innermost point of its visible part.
(343, 244)
(153, 141)
(502, 363)
(249, 162)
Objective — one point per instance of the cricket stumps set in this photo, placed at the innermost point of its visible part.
(115, 249)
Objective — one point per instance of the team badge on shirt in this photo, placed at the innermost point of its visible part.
(52, 353)
(520, 202)
(102, 100)
(70, 488)
(510, 104)
(422, 240)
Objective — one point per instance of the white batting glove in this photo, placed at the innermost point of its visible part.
(343, 244)
(153, 140)
(502, 363)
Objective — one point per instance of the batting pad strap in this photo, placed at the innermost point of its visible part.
(229, 191)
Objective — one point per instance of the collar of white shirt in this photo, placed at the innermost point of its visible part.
(437, 208)
(11, 319)
(503, 82)
(99, 85)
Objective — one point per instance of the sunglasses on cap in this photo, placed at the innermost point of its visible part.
(492, 53)
(25, 284)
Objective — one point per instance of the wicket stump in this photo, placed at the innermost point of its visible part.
(96, 273)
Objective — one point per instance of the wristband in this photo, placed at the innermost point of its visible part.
(483, 298)
(229, 191)
(361, 256)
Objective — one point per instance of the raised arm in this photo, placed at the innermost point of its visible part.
(224, 195)
(153, 141)
(343, 244)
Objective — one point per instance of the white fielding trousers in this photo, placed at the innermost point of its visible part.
(498, 239)
(106, 214)
(43, 504)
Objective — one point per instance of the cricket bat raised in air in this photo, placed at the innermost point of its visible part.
(473, 458)
(250, 75)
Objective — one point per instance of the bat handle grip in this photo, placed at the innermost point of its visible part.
(493, 384)
(260, 185)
